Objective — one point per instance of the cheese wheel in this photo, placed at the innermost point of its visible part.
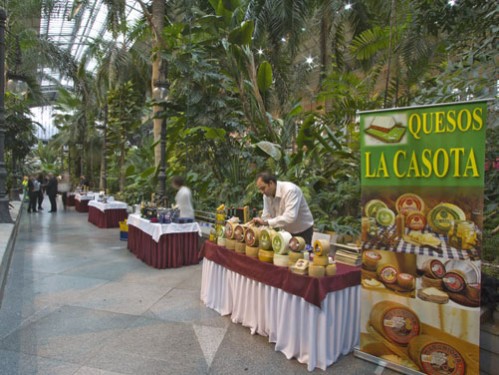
(370, 259)
(322, 260)
(371, 207)
(409, 202)
(294, 256)
(280, 242)
(395, 322)
(427, 282)
(331, 269)
(252, 251)
(221, 231)
(454, 281)
(266, 237)
(436, 357)
(240, 247)
(229, 229)
(385, 217)
(239, 232)
(265, 255)
(252, 236)
(297, 243)
(387, 273)
(321, 247)
(221, 241)
(415, 220)
(441, 217)
(281, 260)
(405, 281)
(230, 244)
(434, 268)
(472, 292)
(316, 271)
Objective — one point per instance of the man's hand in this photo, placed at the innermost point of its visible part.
(259, 221)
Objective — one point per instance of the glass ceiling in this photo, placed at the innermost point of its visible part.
(73, 24)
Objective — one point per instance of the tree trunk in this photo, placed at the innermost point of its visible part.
(103, 161)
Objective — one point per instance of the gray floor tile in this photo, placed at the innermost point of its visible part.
(95, 371)
(14, 363)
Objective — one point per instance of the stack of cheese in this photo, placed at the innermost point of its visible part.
(320, 265)
(252, 237)
(239, 236)
(230, 229)
(280, 245)
(296, 247)
(265, 253)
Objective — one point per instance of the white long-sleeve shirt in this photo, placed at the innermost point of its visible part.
(183, 201)
(288, 209)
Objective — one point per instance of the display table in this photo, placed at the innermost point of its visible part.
(70, 200)
(81, 202)
(163, 245)
(107, 215)
(314, 320)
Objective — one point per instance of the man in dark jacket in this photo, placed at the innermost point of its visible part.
(51, 190)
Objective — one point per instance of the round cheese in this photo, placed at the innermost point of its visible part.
(436, 357)
(409, 202)
(230, 244)
(297, 244)
(387, 273)
(331, 269)
(240, 247)
(434, 268)
(385, 217)
(252, 236)
(280, 242)
(322, 260)
(266, 256)
(415, 220)
(395, 322)
(373, 206)
(281, 260)
(316, 271)
(454, 281)
(266, 237)
(252, 251)
(405, 281)
(229, 229)
(294, 256)
(441, 217)
(370, 259)
(321, 247)
(239, 232)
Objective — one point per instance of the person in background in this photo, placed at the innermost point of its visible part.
(183, 200)
(284, 206)
(64, 188)
(43, 183)
(33, 188)
(84, 182)
(51, 190)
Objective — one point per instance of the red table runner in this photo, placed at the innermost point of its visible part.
(108, 218)
(173, 250)
(312, 289)
(70, 200)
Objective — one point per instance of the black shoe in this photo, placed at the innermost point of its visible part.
(29, 211)
(40, 209)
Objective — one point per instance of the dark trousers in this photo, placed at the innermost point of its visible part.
(33, 195)
(306, 234)
(53, 204)
(65, 199)
(40, 199)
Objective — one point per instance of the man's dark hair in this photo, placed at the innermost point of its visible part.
(178, 181)
(267, 177)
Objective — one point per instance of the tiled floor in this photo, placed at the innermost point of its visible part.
(78, 302)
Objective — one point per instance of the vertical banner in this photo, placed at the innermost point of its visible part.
(422, 214)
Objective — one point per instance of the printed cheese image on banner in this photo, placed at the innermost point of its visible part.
(422, 180)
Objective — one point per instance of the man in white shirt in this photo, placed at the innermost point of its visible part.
(284, 206)
(183, 200)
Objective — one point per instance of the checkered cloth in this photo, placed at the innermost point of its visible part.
(444, 250)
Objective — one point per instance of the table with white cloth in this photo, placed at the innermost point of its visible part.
(81, 202)
(107, 215)
(163, 245)
(314, 320)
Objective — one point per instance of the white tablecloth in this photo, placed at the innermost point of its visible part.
(156, 230)
(299, 329)
(88, 197)
(114, 205)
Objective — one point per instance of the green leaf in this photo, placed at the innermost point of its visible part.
(148, 172)
(264, 76)
(130, 170)
(242, 35)
(270, 149)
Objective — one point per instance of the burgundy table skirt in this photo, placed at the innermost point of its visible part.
(81, 206)
(312, 289)
(70, 200)
(108, 218)
(172, 251)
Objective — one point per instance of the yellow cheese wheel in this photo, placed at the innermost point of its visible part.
(221, 241)
(316, 271)
(240, 247)
(433, 268)
(321, 247)
(297, 243)
(266, 237)
(252, 236)
(294, 256)
(280, 242)
(239, 232)
(435, 357)
(395, 322)
(229, 229)
(252, 251)
(387, 273)
(406, 281)
(230, 244)
(370, 259)
(266, 256)
(321, 260)
(331, 269)
(281, 260)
